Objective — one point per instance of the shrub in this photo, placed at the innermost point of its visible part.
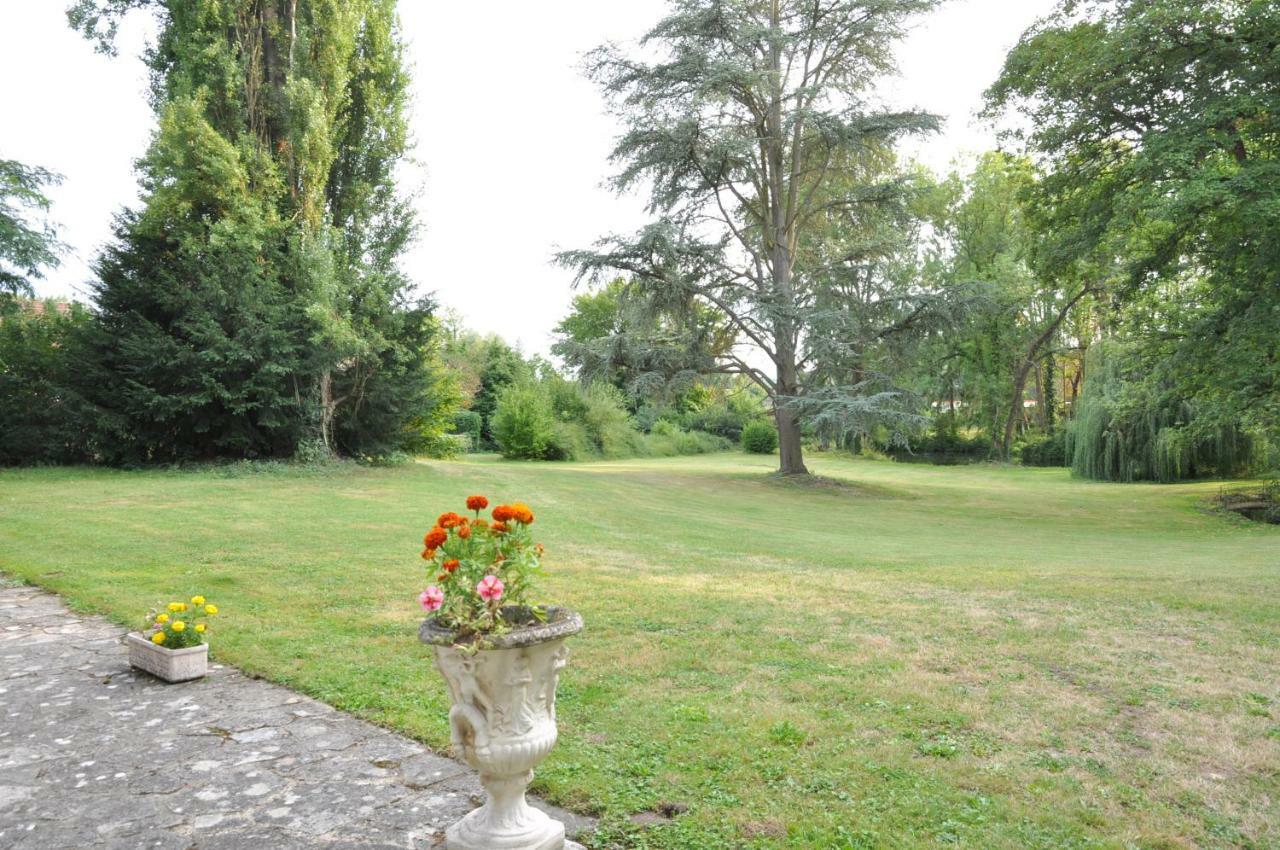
(609, 427)
(555, 419)
(446, 446)
(44, 418)
(719, 419)
(944, 447)
(470, 425)
(569, 401)
(312, 451)
(1050, 450)
(759, 437)
(670, 440)
(524, 425)
(570, 442)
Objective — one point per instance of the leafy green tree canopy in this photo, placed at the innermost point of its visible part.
(26, 248)
(1158, 122)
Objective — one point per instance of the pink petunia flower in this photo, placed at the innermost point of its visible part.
(490, 588)
(432, 598)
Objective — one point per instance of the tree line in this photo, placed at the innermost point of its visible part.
(1100, 293)
(1126, 232)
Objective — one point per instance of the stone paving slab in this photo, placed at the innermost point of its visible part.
(96, 754)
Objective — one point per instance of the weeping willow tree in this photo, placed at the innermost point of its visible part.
(1128, 426)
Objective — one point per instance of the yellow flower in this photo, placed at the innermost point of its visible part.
(200, 627)
(161, 619)
(178, 625)
(158, 637)
(197, 600)
(177, 606)
(211, 609)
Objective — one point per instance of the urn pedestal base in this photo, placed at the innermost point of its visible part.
(455, 840)
(475, 832)
(503, 723)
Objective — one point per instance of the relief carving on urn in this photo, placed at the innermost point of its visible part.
(503, 723)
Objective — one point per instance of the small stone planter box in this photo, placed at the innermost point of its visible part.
(172, 665)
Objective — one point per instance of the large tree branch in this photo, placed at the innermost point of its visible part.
(1029, 361)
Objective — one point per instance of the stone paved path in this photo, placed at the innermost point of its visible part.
(93, 754)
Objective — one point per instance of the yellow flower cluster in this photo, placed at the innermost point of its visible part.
(170, 627)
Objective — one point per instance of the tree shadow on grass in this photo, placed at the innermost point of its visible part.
(825, 484)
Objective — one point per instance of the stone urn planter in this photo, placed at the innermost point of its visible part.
(172, 665)
(503, 723)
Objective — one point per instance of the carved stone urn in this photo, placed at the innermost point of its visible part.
(503, 723)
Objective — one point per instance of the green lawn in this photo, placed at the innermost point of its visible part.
(983, 657)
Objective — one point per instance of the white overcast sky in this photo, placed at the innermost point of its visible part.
(512, 143)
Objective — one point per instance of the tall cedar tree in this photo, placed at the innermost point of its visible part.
(741, 119)
(254, 304)
(610, 337)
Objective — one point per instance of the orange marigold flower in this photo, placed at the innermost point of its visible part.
(435, 538)
(449, 520)
(520, 513)
(498, 528)
(480, 523)
(428, 554)
(477, 503)
(451, 565)
(502, 513)
(464, 531)
(442, 577)
(538, 548)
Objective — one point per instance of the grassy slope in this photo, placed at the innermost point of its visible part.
(999, 658)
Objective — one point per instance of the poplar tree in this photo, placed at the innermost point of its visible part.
(254, 304)
(751, 124)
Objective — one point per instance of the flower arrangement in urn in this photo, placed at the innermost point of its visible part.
(172, 644)
(501, 657)
(483, 571)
